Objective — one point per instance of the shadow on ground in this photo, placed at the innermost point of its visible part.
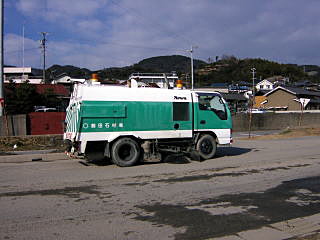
(231, 151)
(177, 158)
(216, 217)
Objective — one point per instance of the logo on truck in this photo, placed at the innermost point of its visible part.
(179, 98)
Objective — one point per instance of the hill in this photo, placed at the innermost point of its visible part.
(72, 71)
(177, 63)
(232, 70)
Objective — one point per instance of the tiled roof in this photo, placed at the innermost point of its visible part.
(56, 88)
(233, 96)
(301, 91)
(295, 91)
(258, 100)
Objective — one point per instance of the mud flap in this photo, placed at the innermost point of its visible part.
(194, 155)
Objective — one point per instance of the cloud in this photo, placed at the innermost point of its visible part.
(104, 33)
(13, 51)
(80, 17)
(55, 9)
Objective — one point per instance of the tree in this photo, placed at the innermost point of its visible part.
(21, 99)
(49, 99)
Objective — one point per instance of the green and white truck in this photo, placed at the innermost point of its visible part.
(128, 125)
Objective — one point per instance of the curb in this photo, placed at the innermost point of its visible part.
(38, 156)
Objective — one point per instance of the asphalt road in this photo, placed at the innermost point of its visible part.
(247, 186)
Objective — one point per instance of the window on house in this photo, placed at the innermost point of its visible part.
(180, 111)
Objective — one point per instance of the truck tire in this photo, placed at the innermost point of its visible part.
(125, 152)
(206, 146)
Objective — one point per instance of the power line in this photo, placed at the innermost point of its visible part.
(136, 46)
(15, 51)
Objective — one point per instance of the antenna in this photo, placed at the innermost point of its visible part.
(23, 50)
(191, 57)
(1, 59)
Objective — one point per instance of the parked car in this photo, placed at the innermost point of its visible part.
(255, 110)
(46, 110)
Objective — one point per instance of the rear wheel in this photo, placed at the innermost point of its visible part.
(125, 152)
(206, 146)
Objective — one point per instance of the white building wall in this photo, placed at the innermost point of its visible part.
(264, 85)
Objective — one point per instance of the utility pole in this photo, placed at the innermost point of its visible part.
(1, 60)
(43, 46)
(253, 70)
(191, 57)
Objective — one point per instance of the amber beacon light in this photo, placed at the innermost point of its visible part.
(179, 83)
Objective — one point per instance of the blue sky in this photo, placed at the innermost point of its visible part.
(110, 33)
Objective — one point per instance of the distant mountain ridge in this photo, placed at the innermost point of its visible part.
(72, 71)
(176, 63)
(228, 69)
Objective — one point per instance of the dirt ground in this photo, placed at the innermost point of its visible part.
(315, 236)
(24, 143)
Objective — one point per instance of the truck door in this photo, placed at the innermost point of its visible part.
(182, 119)
(210, 112)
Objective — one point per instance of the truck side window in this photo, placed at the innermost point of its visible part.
(215, 104)
(180, 111)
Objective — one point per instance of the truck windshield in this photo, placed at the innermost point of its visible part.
(214, 103)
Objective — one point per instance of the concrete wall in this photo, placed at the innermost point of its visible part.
(13, 125)
(274, 121)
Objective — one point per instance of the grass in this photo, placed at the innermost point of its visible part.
(289, 133)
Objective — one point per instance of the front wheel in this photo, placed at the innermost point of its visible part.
(206, 146)
(125, 152)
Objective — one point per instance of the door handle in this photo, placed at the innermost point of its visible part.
(203, 122)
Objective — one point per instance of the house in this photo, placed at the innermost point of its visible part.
(271, 82)
(291, 99)
(66, 80)
(220, 87)
(264, 85)
(20, 75)
(240, 87)
(259, 102)
(237, 102)
(62, 79)
(307, 85)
